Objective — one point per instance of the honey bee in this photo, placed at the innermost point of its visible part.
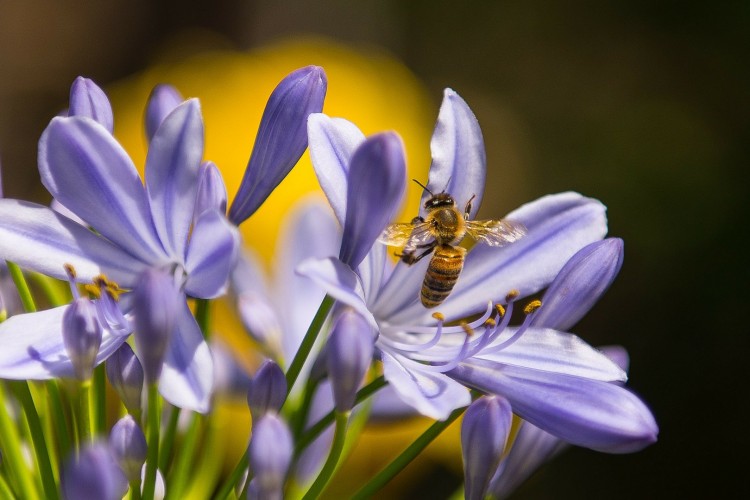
(440, 231)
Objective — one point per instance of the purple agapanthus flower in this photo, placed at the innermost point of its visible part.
(551, 377)
(135, 227)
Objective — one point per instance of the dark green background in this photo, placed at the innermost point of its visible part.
(641, 104)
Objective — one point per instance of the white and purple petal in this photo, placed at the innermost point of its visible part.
(212, 193)
(87, 99)
(162, 101)
(211, 255)
(459, 165)
(172, 166)
(87, 170)
(332, 144)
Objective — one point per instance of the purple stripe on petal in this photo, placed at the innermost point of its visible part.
(332, 144)
(83, 166)
(212, 193)
(187, 377)
(598, 415)
(376, 186)
(87, 99)
(32, 346)
(281, 139)
(433, 394)
(172, 165)
(38, 238)
(162, 101)
(211, 255)
(459, 166)
(580, 284)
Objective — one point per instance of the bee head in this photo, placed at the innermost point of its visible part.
(439, 200)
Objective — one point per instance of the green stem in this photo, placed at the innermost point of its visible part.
(152, 457)
(307, 343)
(99, 403)
(85, 413)
(318, 427)
(203, 315)
(168, 439)
(56, 294)
(299, 417)
(183, 467)
(135, 489)
(63, 431)
(22, 392)
(410, 453)
(23, 288)
(12, 457)
(234, 477)
(339, 438)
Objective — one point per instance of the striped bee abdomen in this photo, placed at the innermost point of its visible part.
(442, 273)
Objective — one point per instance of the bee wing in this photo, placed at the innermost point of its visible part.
(396, 235)
(421, 235)
(495, 233)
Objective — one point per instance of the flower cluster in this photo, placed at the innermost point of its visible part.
(340, 327)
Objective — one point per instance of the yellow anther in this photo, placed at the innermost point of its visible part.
(490, 322)
(512, 295)
(438, 316)
(93, 290)
(532, 306)
(500, 310)
(70, 270)
(467, 329)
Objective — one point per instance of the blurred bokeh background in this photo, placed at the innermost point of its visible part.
(641, 104)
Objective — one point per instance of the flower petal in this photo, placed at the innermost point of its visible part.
(558, 226)
(87, 99)
(598, 415)
(187, 377)
(82, 165)
(433, 394)
(281, 139)
(580, 284)
(374, 193)
(172, 165)
(459, 165)
(211, 255)
(338, 281)
(33, 346)
(162, 101)
(558, 352)
(38, 238)
(212, 193)
(332, 144)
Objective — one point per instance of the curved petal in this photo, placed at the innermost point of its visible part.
(172, 165)
(558, 226)
(376, 186)
(580, 284)
(82, 165)
(402, 291)
(87, 99)
(162, 101)
(459, 165)
(187, 377)
(212, 193)
(332, 144)
(434, 395)
(338, 281)
(33, 346)
(211, 255)
(281, 139)
(598, 415)
(38, 238)
(557, 352)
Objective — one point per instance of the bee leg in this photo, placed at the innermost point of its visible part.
(467, 209)
(409, 258)
(416, 220)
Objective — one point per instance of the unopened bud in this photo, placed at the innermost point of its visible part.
(270, 454)
(267, 391)
(82, 336)
(128, 445)
(125, 374)
(350, 348)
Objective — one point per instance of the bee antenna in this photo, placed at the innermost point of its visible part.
(423, 186)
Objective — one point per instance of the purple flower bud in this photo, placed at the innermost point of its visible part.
(377, 177)
(128, 445)
(267, 390)
(161, 102)
(82, 336)
(125, 374)
(93, 474)
(580, 284)
(87, 99)
(281, 139)
(484, 432)
(212, 193)
(270, 454)
(155, 303)
(350, 349)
